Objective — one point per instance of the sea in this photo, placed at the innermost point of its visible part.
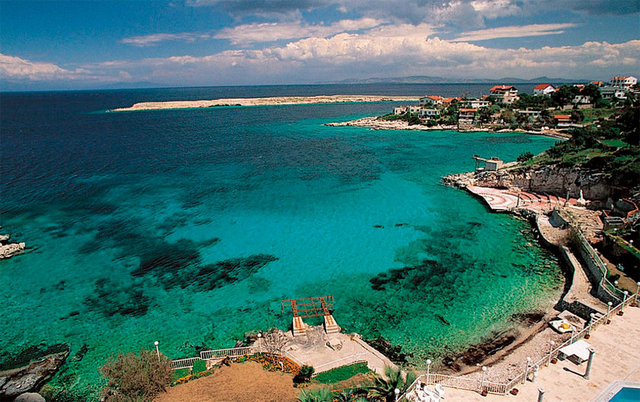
(188, 227)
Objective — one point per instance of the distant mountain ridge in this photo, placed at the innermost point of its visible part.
(425, 79)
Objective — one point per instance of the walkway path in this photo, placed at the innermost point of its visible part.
(617, 357)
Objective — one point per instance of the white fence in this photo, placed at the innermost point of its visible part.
(478, 385)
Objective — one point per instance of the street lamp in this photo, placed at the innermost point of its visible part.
(609, 304)
(526, 370)
(397, 392)
(157, 350)
(428, 368)
(551, 344)
(624, 301)
(484, 375)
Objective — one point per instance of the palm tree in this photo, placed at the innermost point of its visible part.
(384, 389)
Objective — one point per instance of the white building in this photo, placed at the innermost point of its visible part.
(505, 93)
(613, 93)
(400, 110)
(543, 89)
(431, 100)
(623, 81)
(476, 103)
(428, 114)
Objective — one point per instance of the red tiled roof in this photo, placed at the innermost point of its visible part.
(542, 86)
(468, 110)
(562, 116)
(449, 100)
(501, 88)
(434, 97)
(620, 77)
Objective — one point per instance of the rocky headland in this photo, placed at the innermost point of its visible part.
(556, 180)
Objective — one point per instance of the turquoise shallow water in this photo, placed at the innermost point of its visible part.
(189, 227)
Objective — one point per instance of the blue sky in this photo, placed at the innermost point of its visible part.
(95, 44)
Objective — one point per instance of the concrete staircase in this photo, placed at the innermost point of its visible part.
(330, 325)
(299, 327)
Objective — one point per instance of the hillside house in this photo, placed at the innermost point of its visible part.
(398, 110)
(506, 94)
(543, 89)
(431, 100)
(428, 114)
(532, 115)
(466, 117)
(563, 120)
(610, 92)
(582, 102)
(623, 81)
(476, 103)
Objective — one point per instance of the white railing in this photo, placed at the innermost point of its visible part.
(478, 385)
(183, 363)
(328, 366)
(231, 352)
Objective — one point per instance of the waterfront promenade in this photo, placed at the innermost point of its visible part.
(617, 357)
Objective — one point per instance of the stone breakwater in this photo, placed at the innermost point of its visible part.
(380, 124)
(268, 101)
(7, 249)
(545, 180)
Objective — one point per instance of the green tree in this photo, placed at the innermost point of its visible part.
(577, 116)
(304, 375)
(484, 114)
(136, 377)
(564, 95)
(384, 389)
(525, 157)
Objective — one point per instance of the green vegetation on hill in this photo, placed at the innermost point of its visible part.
(612, 148)
(342, 373)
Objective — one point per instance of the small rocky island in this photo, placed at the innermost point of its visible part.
(9, 249)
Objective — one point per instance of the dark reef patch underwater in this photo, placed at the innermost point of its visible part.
(188, 227)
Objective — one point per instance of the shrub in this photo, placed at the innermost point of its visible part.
(304, 375)
(178, 374)
(318, 395)
(525, 157)
(198, 366)
(134, 376)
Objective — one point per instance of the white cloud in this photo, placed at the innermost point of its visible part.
(391, 50)
(513, 32)
(154, 39)
(274, 31)
(13, 67)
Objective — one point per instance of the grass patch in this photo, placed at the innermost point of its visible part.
(615, 142)
(342, 373)
(198, 366)
(178, 374)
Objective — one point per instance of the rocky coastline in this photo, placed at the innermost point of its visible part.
(377, 123)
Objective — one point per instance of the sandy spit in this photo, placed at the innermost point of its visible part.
(281, 100)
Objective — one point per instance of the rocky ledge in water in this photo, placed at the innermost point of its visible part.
(29, 370)
(8, 249)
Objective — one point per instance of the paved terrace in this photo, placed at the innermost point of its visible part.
(617, 357)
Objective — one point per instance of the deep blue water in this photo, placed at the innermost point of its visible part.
(189, 226)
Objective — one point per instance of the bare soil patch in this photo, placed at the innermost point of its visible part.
(238, 382)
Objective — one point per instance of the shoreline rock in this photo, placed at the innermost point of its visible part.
(8, 249)
(31, 377)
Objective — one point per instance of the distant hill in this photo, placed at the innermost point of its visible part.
(424, 79)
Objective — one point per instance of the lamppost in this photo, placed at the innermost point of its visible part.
(609, 304)
(551, 344)
(484, 375)
(397, 392)
(624, 301)
(428, 367)
(157, 350)
(526, 370)
(260, 341)
(588, 334)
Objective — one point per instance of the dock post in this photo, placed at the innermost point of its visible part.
(591, 353)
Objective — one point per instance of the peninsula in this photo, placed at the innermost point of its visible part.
(268, 101)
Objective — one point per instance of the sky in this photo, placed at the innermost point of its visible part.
(111, 43)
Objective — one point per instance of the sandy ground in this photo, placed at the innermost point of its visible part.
(238, 382)
(617, 357)
(283, 100)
